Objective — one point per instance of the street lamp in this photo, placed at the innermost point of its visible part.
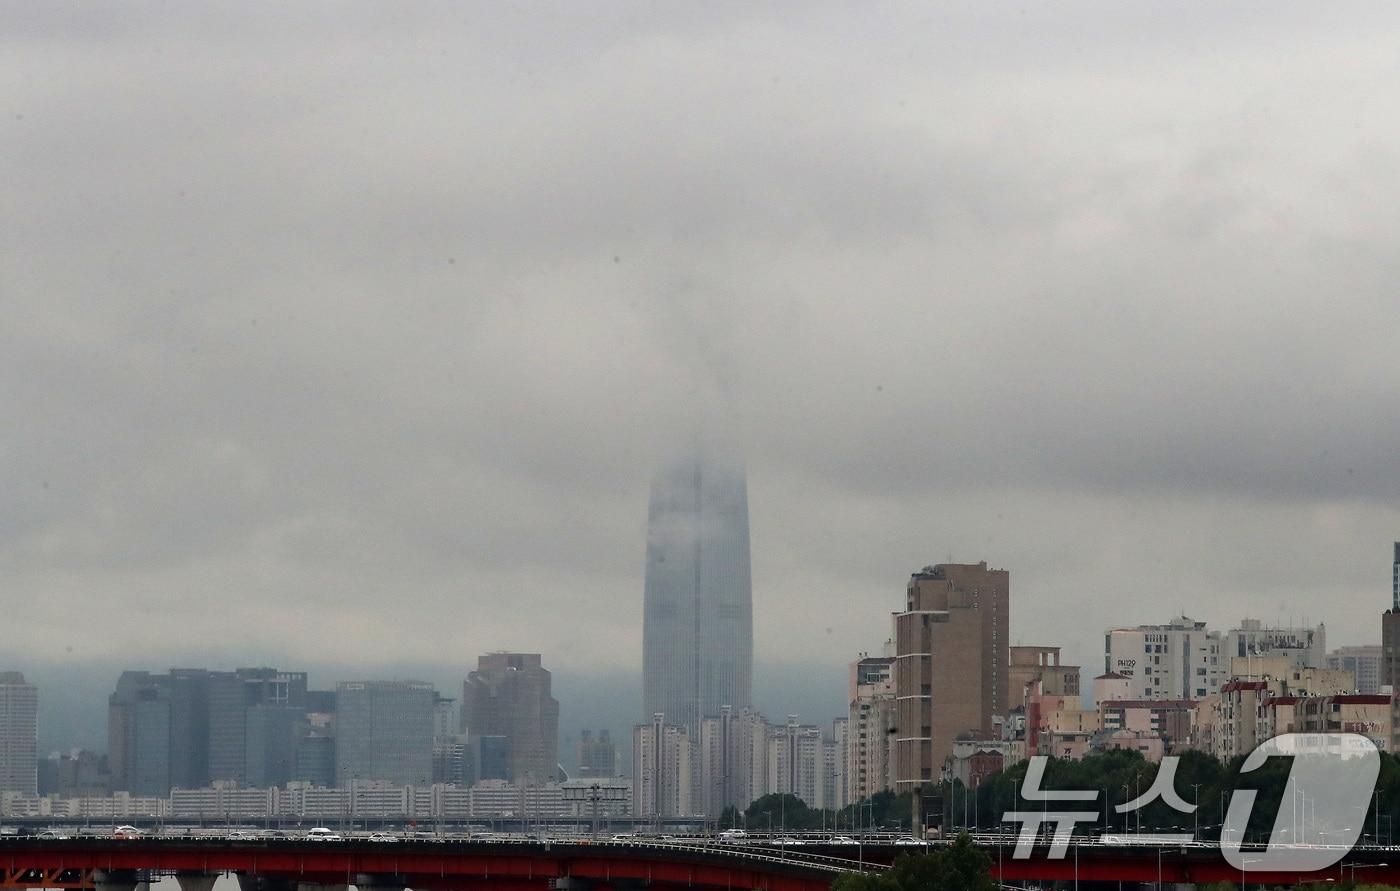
(1355, 867)
(1243, 864)
(1196, 800)
(1222, 816)
(1137, 793)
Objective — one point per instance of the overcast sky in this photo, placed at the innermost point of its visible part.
(343, 333)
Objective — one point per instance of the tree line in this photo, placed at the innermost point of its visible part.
(1118, 776)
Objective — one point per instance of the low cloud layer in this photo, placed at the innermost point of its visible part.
(349, 333)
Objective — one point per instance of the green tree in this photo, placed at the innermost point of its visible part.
(961, 866)
(730, 818)
(864, 881)
(783, 812)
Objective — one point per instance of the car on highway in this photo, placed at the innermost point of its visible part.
(321, 833)
(129, 833)
(842, 840)
(624, 837)
(53, 835)
(382, 837)
(733, 836)
(909, 840)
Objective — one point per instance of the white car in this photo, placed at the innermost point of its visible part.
(321, 833)
(624, 837)
(53, 835)
(126, 832)
(734, 836)
(382, 837)
(842, 840)
(909, 840)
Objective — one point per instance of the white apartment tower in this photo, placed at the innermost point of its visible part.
(870, 726)
(797, 762)
(661, 769)
(1179, 660)
(733, 760)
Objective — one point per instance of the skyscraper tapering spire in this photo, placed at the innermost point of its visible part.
(698, 612)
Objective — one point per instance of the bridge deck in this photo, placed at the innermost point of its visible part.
(468, 865)
(451, 866)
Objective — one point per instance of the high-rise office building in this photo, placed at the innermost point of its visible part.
(141, 736)
(597, 755)
(314, 754)
(447, 720)
(950, 672)
(158, 731)
(384, 732)
(488, 757)
(253, 716)
(697, 629)
(19, 734)
(451, 763)
(509, 696)
(1364, 663)
(78, 774)
(190, 726)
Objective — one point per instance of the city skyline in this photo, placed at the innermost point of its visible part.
(1302, 645)
(953, 700)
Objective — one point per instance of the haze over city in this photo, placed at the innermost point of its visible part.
(347, 339)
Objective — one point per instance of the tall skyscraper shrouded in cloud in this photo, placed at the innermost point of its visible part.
(19, 734)
(698, 606)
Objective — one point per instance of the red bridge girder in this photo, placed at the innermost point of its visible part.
(22, 877)
(437, 866)
(534, 866)
(1177, 865)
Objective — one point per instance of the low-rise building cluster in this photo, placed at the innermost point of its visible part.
(489, 799)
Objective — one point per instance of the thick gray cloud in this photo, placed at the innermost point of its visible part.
(353, 329)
